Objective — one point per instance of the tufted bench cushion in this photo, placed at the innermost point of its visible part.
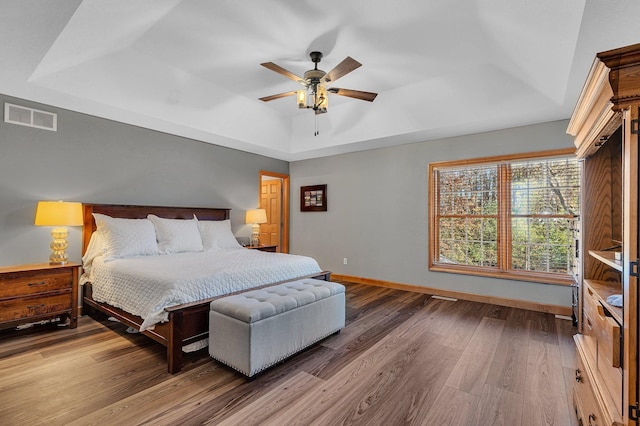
(259, 328)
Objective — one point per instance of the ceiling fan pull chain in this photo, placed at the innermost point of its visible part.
(316, 133)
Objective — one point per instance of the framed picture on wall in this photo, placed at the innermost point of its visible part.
(313, 198)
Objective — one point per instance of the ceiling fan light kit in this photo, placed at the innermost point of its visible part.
(315, 94)
(314, 98)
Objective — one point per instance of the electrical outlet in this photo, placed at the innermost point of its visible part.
(344, 261)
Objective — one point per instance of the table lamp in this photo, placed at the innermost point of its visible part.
(256, 217)
(58, 214)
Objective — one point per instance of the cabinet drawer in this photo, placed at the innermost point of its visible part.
(26, 283)
(577, 407)
(584, 418)
(612, 379)
(590, 336)
(608, 335)
(586, 405)
(591, 302)
(15, 309)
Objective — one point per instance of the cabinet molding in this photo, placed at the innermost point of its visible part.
(604, 125)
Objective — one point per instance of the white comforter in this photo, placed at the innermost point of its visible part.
(146, 285)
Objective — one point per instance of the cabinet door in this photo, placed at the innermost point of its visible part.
(630, 244)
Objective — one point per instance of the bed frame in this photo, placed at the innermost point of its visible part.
(188, 323)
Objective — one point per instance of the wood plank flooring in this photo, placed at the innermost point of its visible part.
(403, 358)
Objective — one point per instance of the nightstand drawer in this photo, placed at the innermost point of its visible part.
(15, 309)
(24, 284)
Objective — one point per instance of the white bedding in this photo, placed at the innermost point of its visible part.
(146, 285)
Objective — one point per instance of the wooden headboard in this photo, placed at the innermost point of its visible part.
(141, 212)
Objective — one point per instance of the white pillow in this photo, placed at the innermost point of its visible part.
(217, 234)
(95, 248)
(123, 238)
(176, 235)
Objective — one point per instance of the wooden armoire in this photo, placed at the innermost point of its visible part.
(605, 127)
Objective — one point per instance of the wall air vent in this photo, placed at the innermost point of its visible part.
(16, 114)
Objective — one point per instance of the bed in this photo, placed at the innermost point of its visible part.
(186, 323)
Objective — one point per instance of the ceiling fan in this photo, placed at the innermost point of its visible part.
(314, 96)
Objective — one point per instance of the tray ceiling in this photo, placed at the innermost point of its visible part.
(191, 68)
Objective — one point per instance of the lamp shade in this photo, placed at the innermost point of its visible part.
(58, 213)
(256, 216)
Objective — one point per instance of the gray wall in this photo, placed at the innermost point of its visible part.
(377, 199)
(100, 161)
(377, 211)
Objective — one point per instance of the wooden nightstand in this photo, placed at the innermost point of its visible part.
(272, 249)
(30, 293)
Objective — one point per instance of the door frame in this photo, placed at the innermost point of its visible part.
(284, 237)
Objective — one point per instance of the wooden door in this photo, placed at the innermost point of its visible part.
(271, 201)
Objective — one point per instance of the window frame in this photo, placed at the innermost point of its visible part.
(503, 226)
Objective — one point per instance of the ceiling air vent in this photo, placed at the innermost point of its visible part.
(30, 117)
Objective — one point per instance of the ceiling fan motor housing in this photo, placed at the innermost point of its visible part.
(314, 76)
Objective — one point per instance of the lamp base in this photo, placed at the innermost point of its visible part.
(59, 246)
(255, 234)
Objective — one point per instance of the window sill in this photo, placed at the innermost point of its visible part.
(537, 277)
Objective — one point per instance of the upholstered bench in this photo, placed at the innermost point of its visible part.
(259, 328)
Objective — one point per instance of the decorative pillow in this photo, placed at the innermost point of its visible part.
(123, 238)
(176, 235)
(217, 234)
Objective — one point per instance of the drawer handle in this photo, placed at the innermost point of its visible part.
(36, 306)
(38, 283)
(578, 376)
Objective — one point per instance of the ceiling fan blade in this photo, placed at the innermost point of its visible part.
(278, 96)
(343, 68)
(288, 74)
(357, 94)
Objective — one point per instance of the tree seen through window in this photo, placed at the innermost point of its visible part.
(506, 216)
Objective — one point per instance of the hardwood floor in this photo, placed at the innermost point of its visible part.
(403, 358)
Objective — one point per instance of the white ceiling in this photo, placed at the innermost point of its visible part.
(191, 67)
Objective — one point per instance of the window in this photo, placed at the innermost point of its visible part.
(508, 217)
